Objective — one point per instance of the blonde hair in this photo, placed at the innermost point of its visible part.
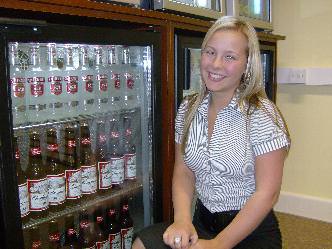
(251, 88)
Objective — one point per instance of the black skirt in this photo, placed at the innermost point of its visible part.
(266, 236)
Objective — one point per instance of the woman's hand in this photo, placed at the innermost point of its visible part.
(180, 235)
(207, 244)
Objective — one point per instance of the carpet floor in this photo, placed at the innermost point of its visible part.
(303, 233)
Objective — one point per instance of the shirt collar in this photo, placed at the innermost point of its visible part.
(233, 104)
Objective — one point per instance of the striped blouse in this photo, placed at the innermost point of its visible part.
(224, 167)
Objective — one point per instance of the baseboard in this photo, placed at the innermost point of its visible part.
(305, 206)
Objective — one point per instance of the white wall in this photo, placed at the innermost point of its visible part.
(307, 109)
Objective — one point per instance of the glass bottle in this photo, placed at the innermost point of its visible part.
(18, 86)
(88, 164)
(55, 173)
(53, 235)
(71, 108)
(113, 228)
(55, 84)
(102, 81)
(87, 90)
(116, 155)
(35, 240)
(36, 97)
(86, 237)
(102, 241)
(22, 185)
(104, 165)
(37, 179)
(127, 225)
(71, 239)
(72, 169)
(115, 80)
(129, 150)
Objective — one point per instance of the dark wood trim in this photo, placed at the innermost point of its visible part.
(168, 75)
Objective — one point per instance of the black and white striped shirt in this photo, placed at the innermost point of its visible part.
(224, 167)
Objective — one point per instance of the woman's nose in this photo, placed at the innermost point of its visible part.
(218, 62)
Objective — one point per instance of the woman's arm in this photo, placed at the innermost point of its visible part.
(182, 194)
(268, 177)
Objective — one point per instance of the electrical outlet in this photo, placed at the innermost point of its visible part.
(297, 75)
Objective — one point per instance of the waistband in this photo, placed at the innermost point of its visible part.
(213, 222)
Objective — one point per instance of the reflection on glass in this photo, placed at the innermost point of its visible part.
(258, 9)
(194, 80)
(208, 4)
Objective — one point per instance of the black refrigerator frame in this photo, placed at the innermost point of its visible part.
(10, 221)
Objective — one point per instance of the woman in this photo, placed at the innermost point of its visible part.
(231, 143)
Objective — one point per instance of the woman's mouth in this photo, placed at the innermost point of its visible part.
(215, 77)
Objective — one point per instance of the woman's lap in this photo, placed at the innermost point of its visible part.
(266, 236)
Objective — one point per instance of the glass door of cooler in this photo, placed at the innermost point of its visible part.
(187, 63)
(268, 62)
(81, 134)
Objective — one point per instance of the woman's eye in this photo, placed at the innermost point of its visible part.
(230, 57)
(209, 52)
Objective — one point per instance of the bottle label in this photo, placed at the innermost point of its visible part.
(130, 81)
(38, 194)
(52, 147)
(73, 184)
(116, 80)
(117, 168)
(56, 85)
(89, 179)
(103, 245)
(36, 86)
(24, 199)
(103, 85)
(88, 79)
(126, 237)
(130, 166)
(104, 175)
(56, 189)
(54, 237)
(72, 84)
(115, 240)
(36, 244)
(18, 87)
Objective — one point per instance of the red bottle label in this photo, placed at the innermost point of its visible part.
(103, 85)
(116, 78)
(72, 84)
(55, 237)
(52, 147)
(88, 79)
(36, 244)
(18, 87)
(36, 86)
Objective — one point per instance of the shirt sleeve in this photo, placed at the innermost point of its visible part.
(267, 129)
(179, 121)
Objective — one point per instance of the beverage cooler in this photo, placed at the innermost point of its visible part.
(80, 135)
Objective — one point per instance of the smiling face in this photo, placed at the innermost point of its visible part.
(224, 61)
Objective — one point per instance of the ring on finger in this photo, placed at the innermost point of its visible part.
(177, 240)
